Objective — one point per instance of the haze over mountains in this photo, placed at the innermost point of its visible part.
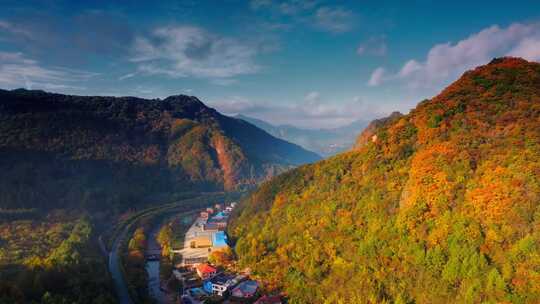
(441, 205)
(72, 151)
(325, 142)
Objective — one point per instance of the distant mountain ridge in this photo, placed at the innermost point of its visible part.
(90, 146)
(441, 205)
(326, 142)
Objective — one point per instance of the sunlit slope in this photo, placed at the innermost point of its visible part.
(437, 206)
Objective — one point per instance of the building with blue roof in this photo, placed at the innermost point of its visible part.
(219, 239)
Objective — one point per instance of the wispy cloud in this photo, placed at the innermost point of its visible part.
(16, 70)
(11, 29)
(91, 32)
(310, 13)
(188, 51)
(377, 77)
(127, 76)
(446, 61)
(374, 46)
(334, 19)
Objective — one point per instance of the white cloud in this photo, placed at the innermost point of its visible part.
(333, 19)
(528, 48)
(188, 51)
(17, 71)
(446, 61)
(410, 67)
(377, 77)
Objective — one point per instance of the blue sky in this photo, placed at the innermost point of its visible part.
(310, 63)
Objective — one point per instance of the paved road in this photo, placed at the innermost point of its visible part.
(114, 268)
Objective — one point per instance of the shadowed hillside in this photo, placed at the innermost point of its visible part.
(71, 151)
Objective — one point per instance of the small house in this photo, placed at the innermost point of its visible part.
(201, 241)
(219, 284)
(245, 290)
(205, 271)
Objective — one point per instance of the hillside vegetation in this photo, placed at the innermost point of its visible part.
(438, 206)
(60, 151)
(54, 260)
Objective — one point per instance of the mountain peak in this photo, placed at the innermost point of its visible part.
(183, 99)
(186, 103)
(501, 75)
(508, 61)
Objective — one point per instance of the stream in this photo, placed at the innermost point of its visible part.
(152, 267)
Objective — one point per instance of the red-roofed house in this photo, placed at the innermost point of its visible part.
(205, 271)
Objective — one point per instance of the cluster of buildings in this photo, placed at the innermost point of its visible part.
(234, 288)
(200, 280)
(207, 234)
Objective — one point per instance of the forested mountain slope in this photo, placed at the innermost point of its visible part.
(438, 206)
(72, 151)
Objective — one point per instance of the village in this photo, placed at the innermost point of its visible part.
(204, 282)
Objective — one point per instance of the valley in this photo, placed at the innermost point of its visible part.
(435, 194)
(269, 152)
